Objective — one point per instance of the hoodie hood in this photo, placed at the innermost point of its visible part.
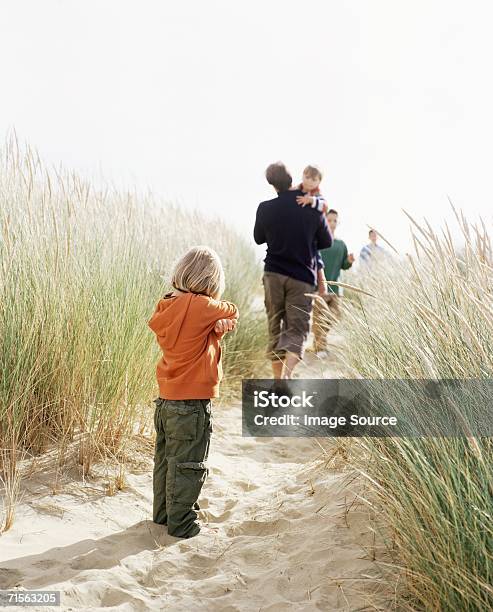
(167, 320)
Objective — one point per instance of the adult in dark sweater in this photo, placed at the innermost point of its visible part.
(293, 234)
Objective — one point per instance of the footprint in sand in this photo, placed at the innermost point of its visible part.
(210, 517)
(200, 566)
(45, 564)
(245, 485)
(258, 528)
(114, 598)
(9, 578)
(94, 560)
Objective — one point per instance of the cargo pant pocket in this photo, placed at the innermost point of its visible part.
(182, 421)
(189, 480)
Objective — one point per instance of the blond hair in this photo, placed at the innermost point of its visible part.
(313, 172)
(199, 271)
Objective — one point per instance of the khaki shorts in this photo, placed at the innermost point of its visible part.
(288, 314)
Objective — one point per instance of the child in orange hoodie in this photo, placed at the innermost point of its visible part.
(188, 324)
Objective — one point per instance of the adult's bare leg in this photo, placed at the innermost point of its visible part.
(277, 368)
(290, 363)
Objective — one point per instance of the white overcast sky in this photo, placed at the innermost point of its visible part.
(392, 98)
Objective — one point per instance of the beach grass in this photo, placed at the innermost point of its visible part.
(81, 271)
(432, 317)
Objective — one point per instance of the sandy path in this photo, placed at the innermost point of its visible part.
(278, 537)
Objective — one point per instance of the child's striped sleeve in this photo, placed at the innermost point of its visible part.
(320, 203)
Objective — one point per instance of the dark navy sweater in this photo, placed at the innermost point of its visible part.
(293, 234)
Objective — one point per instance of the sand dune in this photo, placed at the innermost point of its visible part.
(277, 537)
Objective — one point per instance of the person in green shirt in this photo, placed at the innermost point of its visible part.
(326, 309)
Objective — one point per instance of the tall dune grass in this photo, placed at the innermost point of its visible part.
(432, 318)
(81, 271)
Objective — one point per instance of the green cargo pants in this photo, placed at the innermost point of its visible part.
(183, 433)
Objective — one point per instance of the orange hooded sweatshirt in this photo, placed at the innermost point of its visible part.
(190, 367)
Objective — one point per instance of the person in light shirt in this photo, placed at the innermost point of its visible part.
(371, 249)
